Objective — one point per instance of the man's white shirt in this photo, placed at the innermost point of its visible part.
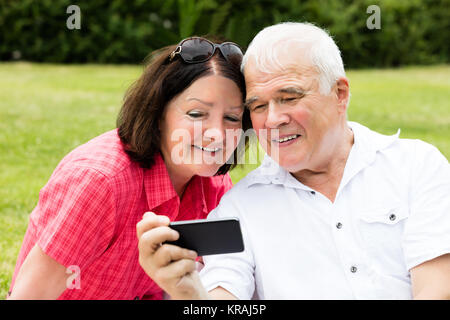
(391, 213)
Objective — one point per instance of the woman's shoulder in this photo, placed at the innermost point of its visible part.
(104, 153)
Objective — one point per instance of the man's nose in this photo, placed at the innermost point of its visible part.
(276, 117)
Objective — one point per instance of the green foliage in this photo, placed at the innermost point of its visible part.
(119, 31)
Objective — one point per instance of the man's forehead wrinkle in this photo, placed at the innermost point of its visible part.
(297, 70)
(258, 85)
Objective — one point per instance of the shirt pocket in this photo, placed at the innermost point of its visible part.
(389, 215)
(381, 231)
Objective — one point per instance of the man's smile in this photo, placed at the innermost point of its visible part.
(285, 140)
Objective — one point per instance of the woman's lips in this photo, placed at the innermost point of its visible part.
(211, 150)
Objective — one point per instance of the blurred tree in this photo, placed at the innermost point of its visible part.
(120, 31)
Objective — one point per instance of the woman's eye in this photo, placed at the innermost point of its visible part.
(232, 118)
(195, 115)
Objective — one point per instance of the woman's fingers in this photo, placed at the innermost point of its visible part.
(172, 273)
(171, 267)
(150, 221)
(168, 253)
(151, 240)
(181, 280)
(151, 231)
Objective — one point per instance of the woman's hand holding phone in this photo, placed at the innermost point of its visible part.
(171, 267)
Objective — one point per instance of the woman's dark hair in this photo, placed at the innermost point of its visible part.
(146, 100)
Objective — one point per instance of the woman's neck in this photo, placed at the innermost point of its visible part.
(179, 184)
(179, 178)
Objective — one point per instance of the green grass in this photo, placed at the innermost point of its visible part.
(47, 110)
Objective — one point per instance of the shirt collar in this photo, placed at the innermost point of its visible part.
(366, 144)
(159, 188)
(157, 183)
(196, 195)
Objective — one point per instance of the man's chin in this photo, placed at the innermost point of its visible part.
(291, 165)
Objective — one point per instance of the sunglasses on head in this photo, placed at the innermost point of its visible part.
(196, 50)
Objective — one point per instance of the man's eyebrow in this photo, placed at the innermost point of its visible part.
(249, 101)
(292, 90)
(210, 104)
(289, 90)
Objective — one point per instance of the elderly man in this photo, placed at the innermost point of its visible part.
(335, 211)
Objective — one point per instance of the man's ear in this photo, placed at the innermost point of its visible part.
(342, 91)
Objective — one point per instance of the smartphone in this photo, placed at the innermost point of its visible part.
(206, 237)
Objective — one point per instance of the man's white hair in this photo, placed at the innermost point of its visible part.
(316, 43)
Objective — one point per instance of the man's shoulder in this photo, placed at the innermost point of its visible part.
(421, 155)
(412, 150)
(393, 144)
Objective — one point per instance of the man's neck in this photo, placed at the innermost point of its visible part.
(327, 178)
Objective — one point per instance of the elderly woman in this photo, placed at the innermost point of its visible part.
(81, 240)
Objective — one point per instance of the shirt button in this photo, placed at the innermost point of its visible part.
(338, 225)
(353, 269)
(392, 217)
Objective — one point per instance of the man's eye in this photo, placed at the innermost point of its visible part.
(287, 100)
(258, 107)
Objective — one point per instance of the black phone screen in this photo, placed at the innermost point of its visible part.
(206, 237)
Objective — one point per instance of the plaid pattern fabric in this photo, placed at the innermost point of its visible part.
(87, 214)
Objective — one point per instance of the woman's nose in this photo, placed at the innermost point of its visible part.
(214, 130)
